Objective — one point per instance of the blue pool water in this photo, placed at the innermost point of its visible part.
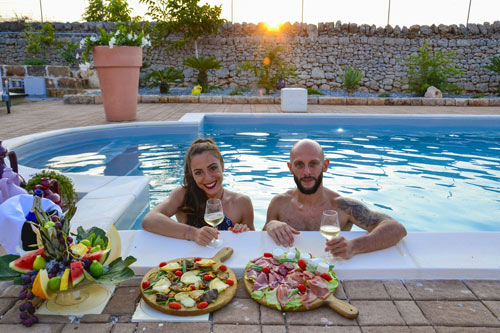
(438, 178)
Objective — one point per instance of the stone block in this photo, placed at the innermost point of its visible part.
(450, 101)
(485, 289)
(124, 328)
(456, 313)
(39, 328)
(396, 290)
(340, 292)
(95, 318)
(332, 100)
(411, 313)
(12, 291)
(356, 101)
(58, 71)
(86, 99)
(293, 100)
(123, 301)
(163, 99)
(241, 292)
(494, 102)
(150, 99)
(36, 70)
(430, 101)
(70, 99)
(67, 82)
(274, 329)
(260, 100)
(98, 99)
(211, 99)
(236, 328)
(234, 100)
(444, 329)
(270, 316)
(382, 313)
(312, 100)
(494, 307)
(90, 328)
(438, 290)
(478, 102)
(238, 311)
(14, 70)
(189, 99)
(318, 317)
(277, 100)
(461, 101)
(53, 319)
(375, 101)
(174, 327)
(399, 329)
(365, 289)
(416, 101)
(6, 304)
(50, 83)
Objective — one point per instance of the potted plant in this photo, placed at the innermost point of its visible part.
(117, 58)
(163, 78)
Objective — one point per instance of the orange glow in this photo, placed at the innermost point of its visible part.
(266, 61)
(273, 27)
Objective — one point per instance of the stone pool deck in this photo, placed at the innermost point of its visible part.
(384, 305)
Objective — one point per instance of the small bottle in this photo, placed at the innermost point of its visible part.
(28, 236)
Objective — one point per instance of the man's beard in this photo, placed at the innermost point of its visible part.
(313, 189)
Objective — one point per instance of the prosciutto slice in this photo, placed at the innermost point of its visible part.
(251, 273)
(275, 279)
(261, 282)
(307, 298)
(282, 294)
(318, 287)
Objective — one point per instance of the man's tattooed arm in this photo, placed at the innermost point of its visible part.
(360, 214)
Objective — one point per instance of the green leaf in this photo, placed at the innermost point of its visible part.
(293, 293)
(118, 271)
(311, 268)
(293, 304)
(6, 273)
(286, 260)
(332, 284)
(258, 294)
(272, 299)
(86, 234)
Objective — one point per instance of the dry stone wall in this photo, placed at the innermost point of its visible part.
(319, 52)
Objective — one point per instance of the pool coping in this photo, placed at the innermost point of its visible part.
(105, 198)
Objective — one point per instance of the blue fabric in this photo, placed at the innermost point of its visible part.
(226, 224)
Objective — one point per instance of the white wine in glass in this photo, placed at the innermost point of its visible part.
(214, 216)
(330, 228)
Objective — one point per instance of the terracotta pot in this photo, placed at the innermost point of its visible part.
(118, 72)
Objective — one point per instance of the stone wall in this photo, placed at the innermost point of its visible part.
(318, 51)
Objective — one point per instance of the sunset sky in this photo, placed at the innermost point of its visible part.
(273, 12)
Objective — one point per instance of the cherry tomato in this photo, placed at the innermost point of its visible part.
(230, 282)
(207, 277)
(197, 259)
(302, 264)
(162, 264)
(174, 305)
(326, 276)
(145, 284)
(192, 287)
(268, 255)
(266, 270)
(202, 305)
(223, 268)
(178, 273)
(301, 288)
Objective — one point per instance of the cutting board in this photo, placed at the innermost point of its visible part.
(225, 297)
(343, 308)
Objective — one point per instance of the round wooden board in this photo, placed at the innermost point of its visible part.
(225, 297)
(343, 308)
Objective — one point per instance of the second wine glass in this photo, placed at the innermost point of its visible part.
(330, 228)
(214, 215)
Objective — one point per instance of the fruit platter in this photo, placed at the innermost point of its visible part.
(64, 262)
(190, 286)
(294, 281)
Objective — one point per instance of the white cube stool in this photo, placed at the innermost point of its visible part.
(294, 100)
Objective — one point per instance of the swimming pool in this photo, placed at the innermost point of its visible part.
(432, 173)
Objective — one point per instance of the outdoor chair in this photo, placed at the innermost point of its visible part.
(5, 93)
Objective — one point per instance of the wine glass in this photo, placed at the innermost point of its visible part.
(330, 228)
(214, 216)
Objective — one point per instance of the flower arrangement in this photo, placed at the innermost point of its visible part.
(125, 35)
(63, 262)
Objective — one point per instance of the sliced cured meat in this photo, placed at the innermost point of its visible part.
(318, 287)
(261, 282)
(282, 294)
(308, 275)
(275, 280)
(307, 298)
(251, 273)
(289, 266)
(282, 270)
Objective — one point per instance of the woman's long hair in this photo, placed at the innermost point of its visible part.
(195, 198)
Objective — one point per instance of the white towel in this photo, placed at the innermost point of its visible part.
(13, 213)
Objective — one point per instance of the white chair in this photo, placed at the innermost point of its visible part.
(5, 93)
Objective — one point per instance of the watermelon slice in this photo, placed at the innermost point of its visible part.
(25, 264)
(98, 255)
(77, 275)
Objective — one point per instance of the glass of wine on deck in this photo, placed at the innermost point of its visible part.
(330, 228)
(214, 216)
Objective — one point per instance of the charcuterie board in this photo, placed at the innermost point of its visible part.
(185, 286)
(294, 282)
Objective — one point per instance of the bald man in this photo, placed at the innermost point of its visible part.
(302, 208)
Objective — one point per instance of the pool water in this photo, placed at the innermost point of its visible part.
(430, 179)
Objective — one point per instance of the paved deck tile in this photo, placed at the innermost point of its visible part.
(365, 289)
(318, 317)
(373, 313)
(12, 315)
(398, 329)
(220, 328)
(4, 285)
(96, 318)
(39, 328)
(324, 329)
(494, 307)
(466, 329)
(87, 328)
(123, 301)
(439, 290)
(134, 282)
(174, 327)
(397, 290)
(485, 289)
(270, 316)
(411, 314)
(241, 292)
(243, 311)
(124, 328)
(340, 292)
(6, 304)
(53, 319)
(12, 291)
(273, 329)
(457, 313)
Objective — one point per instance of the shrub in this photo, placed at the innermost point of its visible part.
(38, 42)
(270, 69)
(68, 193)
(430, 68)
(235, 92)
(68, 51)
(111, 10)
(163, 78)
(494, 67)
(203, 65)
(350, 79)
(384, 95)
(311, 91)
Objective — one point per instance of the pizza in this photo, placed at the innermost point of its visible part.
(290, 281)
(188, 286)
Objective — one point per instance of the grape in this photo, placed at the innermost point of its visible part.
(61, 240)
(31, 309)
(33, 278)
(33, 273)
(51, 275)
(23, 315)
(59, 234)
(26, 322)
(22, 295)
(58, 225)
(34, 319)
(70, 239)
(30, 295)
(25, 279)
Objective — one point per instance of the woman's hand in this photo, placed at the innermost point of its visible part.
(238, 227)
(204, 235)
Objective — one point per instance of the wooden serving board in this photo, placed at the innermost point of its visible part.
(343, 308)
(225, 297)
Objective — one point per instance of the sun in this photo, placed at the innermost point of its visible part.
(273, 26)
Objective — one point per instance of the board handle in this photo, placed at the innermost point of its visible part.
(344, 309)
(223, 254)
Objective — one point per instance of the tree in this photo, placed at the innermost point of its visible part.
(185, 17)
(113, 10)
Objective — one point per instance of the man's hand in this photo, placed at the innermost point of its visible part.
(240, 227)
(281, 233)
(340, 247)
(204, 236)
